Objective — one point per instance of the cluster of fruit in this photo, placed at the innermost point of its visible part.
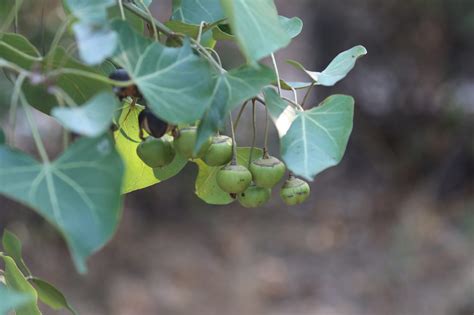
(250, 186)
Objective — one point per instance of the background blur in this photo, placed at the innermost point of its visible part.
(388, 232)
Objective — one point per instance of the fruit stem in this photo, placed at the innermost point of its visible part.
(239, 115)
(234, 143)
(275, 66)
(265, 144)
(254, 130)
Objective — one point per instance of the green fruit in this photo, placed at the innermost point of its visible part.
(234, 179)
(294, 191)
(185, 142)
(220, 151)
(267, 171)
(156, 152)
(254, 196)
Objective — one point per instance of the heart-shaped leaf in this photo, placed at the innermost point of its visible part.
(206, 183)
(137, 174)
(231, 89)
(17, 282)
(318, 137)
(176, 83)
(281, 113)
(11, 300)
(91, 119)
(51, 296)
(256, 26)
(337, 69)
(80, 189)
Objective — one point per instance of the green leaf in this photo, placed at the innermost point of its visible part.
(206, 184)
(8, 10)
(176, 83)
(17, 49)
(11, 300)
(231, 89)
(281, 113)
(197, 11)
(95, 43)
(91, 119)
(12, 247)
(293, 26)
(79, 88)
(80, 189)
(137, 174)
(135, 21)
(17, 282)
(256, 26)
(2, 136)
(337, 69)
(91, 11)
(318, 137)
(51, 296)
(95, 40)
(222, 32)
(289, 86)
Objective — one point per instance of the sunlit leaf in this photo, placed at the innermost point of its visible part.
(176, 83)
(91, 119)
(337, 69)
(137, 174)
(318, 137)
(17, 282)
(79, 189)
(256, 26)
(281, 113)
(206, 184)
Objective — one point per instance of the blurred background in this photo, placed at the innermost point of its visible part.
(388, 232)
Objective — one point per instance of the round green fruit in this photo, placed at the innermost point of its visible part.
(220, 151)
(267, 171)
(254, 196)
(294, 191)
(156, 152)
(185, 142)
(234, 179)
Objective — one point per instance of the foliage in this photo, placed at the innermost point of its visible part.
(173, 71)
